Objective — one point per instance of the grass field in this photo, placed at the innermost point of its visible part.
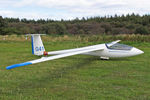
(77, 77)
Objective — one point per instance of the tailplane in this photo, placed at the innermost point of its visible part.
(37, 44)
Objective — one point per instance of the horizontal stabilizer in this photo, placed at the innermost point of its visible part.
(34, 34)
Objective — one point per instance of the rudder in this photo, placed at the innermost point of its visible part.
(37, 44)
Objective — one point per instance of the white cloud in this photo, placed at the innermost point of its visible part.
(6, 13)
(67, 9)
(9, 13)
(33, 15)
(24, 3)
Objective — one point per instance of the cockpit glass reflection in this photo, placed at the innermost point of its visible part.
(119, 46)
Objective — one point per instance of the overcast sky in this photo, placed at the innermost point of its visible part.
(70, 9)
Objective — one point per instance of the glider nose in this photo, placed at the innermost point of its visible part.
(137, 51)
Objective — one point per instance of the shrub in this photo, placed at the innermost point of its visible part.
(142, 30)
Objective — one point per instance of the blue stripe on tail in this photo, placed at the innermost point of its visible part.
(32, 45)
(18, 65)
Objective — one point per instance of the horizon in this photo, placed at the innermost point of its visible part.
(86, 18)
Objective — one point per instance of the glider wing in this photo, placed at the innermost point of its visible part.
(100, 47)
(79, 49)
(114, 42)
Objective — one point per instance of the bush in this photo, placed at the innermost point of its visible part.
(54, 28)
(142, 30)
(107, 27)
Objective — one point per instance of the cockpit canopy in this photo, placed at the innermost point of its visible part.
(118, 46)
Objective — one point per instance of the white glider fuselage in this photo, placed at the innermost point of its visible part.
(106, 52)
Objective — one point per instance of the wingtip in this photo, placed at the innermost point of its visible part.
(18, 65)
(118, 40)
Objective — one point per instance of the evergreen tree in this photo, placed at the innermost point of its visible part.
(2, 26)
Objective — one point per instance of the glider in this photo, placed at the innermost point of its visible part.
(104, 51)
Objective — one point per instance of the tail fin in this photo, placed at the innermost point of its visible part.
(37, 44)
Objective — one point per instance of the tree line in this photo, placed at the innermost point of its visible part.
(124, 24)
